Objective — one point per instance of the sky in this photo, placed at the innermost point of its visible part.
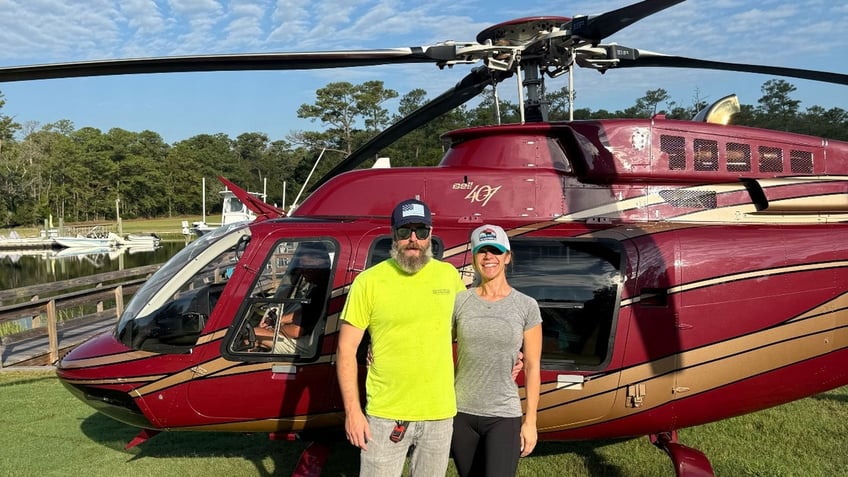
(805, 34)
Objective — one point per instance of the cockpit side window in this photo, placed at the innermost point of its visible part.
(576, 283)
(285, 312)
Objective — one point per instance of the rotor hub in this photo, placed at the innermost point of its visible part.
(520, 30)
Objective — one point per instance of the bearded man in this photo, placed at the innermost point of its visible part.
(406, 304)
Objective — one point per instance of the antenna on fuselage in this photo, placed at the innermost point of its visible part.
(294, 204)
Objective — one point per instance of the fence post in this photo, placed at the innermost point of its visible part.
(99, 303)
(52, 335)
(119, 301)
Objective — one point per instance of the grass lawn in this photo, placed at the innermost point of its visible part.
(46, 432)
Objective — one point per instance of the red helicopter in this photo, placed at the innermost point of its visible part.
(687, 271)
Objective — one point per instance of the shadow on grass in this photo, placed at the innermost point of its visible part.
(831, 396)
(270, 458)
(587, 451)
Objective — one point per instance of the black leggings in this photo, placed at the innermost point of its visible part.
(486, 446)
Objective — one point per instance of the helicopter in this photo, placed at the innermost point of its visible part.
(686, 271)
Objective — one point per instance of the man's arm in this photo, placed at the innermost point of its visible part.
(356, 426)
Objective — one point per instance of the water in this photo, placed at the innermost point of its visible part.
(20, 268)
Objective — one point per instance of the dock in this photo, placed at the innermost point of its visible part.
(40, 323)
(29, 243)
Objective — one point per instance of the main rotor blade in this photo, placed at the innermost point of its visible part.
(231, 62)
(466, 89)
(599, 27)
(647, 58)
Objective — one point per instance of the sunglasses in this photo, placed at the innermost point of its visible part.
(421, 231)
(492, 250)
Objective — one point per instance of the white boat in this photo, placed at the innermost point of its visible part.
(91, 240)
(16, 242)
(146, 240)
(233, 210)
(133, 249)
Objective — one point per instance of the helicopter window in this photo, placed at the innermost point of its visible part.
(558, 158)
(285, 311)
(169, 313)
(801, 161)
(675, 149)
(738, 157)
(771, 159)
(382, 247)
(576, 283)
(706, 155)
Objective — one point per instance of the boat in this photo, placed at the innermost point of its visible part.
(95, 238)
(233, 210)
(146, 240)
(16, 242)
(134, 249)
(81, 241)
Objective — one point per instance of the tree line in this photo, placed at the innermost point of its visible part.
(56, 170)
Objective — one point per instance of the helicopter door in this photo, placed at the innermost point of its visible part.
(270, 364)
(578, 284)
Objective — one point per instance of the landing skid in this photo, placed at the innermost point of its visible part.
(688, 462)
(141, 437)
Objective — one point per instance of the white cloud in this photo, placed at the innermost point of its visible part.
(796, 33)
(143, 17)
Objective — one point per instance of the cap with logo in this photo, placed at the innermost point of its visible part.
(411, 211)
(489, 236)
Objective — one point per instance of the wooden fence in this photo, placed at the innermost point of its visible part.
(57, 316)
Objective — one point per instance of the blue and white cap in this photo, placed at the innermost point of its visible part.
(489, 236)
(411, 211)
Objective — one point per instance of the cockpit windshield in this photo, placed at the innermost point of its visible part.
(169, 312)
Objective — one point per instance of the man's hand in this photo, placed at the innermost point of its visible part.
(357, 429)
(519, 365)
(269, 318)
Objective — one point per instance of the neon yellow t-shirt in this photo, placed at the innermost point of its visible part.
(409, 319)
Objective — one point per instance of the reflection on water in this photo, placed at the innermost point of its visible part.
(20, 268)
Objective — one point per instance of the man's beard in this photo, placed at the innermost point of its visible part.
(412, 264)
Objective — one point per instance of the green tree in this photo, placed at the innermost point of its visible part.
(11, 170)
(8, 126)
(777, 110)
(647, 105)
(141, 179)
(250, 148)
(559, 103)
(189, 161)
(830, 123)
(370, 97)
(336, 106)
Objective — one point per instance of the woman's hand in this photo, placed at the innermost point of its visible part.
(529, 437)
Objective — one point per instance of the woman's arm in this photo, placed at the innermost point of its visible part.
(532, 387)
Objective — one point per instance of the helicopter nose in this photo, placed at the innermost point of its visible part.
(95, 373)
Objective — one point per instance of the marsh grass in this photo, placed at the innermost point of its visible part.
(46, 432)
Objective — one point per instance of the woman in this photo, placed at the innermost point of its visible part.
(492, 323)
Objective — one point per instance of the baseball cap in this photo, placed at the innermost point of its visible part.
(411, 211)
(489, 236)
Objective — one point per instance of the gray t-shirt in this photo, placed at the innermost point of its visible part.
(489, 335)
